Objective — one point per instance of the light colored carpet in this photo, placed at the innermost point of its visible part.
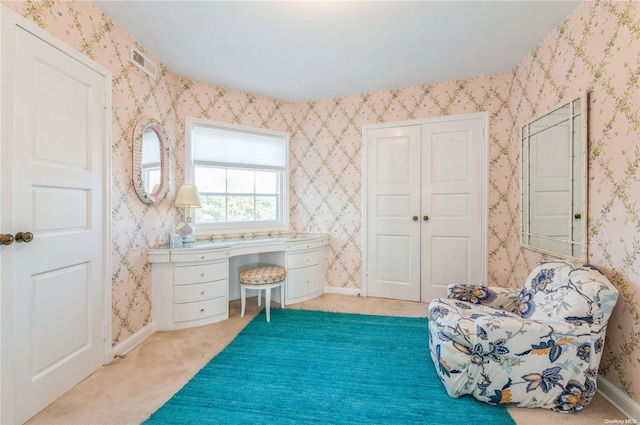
(128, 390)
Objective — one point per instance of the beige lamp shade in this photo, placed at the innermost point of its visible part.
(188, 197)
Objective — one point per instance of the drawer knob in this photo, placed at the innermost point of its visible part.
(202, 293)
(202, 257)
(202, 310)
(201, 274)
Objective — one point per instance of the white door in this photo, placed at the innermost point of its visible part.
(452, 199)
(393, 206)
(54, 186)
(425, 207)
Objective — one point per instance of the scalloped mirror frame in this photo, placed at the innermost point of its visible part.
(145, 125)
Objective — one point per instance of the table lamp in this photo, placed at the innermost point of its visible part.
(188, 197)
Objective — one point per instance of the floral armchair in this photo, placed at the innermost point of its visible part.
(539, 346)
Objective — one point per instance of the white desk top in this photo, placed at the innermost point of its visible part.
(205, 250)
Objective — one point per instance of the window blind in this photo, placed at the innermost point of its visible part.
(216, 146)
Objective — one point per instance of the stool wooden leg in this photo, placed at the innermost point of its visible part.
(282, 296)
(267, 301)
(259, 297)
(243, 300)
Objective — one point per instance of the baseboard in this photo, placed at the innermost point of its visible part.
(135, 339)
(618, 398)
(344, 291)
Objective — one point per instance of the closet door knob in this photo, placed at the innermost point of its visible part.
(25, 237)
(415, 218)
(6, 239)
(425, 218)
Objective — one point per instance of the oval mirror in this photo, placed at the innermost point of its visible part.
(150, 174)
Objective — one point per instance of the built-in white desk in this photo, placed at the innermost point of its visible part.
(192, 285)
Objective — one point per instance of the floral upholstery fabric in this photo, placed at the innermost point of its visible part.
(503, 298)
(262, 275)
(539, 346)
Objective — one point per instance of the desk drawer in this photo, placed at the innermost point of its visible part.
(305, 281)
(299, 245)
(304, 259)
(188, 255)
(199, 310)
(186, 275)
(199, 291)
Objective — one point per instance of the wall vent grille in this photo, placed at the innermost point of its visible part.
(143, 62)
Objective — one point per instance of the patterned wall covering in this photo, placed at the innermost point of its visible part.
(597, 47)
(326, 158)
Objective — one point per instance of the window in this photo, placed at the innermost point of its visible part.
(241, 174)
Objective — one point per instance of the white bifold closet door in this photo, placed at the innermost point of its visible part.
(425, 207)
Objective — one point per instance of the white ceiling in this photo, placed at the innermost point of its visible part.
(310, 50)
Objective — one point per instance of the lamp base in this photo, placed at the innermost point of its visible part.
(187, 230)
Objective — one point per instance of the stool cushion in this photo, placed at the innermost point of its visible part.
(262, 275)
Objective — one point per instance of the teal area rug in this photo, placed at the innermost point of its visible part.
(310, 367)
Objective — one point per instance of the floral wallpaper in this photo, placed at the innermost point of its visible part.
(326, 155)
(596, 48)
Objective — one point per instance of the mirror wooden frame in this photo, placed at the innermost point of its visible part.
(543, 182)
(144, 125)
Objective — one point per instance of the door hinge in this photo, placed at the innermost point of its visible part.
(104, 332)
(106, 100)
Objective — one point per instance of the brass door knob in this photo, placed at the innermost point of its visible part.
(415, 218)
(425, 218)
(6, 239)
(577, 216)
(25, 237)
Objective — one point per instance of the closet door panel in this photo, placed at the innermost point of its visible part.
(393, 199)
(443, 250)
(452, 205)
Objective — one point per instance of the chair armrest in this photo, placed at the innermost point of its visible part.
(493, 296)
(516, 337)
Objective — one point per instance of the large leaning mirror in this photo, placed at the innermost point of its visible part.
(554, 181)
(150, 165)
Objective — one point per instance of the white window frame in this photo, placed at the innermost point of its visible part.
(238, 227)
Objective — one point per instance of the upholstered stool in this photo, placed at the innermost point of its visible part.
(258, 278)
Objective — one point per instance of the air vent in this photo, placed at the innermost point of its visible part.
(143, 62)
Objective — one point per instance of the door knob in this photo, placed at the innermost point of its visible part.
(425, 218)
(6, 239)
(415, 218)
(577, 216)
(25, 237)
